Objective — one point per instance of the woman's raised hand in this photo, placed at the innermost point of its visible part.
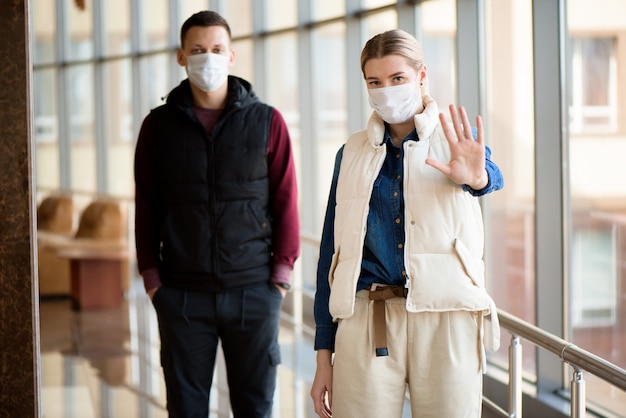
(467, 156)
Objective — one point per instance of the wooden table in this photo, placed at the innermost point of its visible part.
(96, 276)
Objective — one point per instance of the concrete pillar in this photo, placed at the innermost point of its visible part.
(19, 306)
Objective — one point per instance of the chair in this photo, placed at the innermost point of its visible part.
(55, 224)
(56, 214)
(102, 227)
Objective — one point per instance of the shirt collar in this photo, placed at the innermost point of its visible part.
(410, 137)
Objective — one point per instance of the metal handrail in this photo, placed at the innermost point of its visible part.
(568, 352)
(581, 360)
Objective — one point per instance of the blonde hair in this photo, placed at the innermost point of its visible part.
(396, 42)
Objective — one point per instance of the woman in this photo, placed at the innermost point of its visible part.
(400, 290)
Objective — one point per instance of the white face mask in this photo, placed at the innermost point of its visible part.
(207, 71)
(396, 104)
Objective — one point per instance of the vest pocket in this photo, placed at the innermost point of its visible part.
(439, 282)
(343, 287)
(474, 266)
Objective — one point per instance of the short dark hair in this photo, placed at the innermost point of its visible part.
(204, 18)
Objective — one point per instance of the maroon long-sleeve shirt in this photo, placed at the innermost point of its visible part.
(283, 200)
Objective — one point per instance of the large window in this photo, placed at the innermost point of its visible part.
(47, 159)
(99, 73)
(119, 137)
(510, 135)
(282, 87)
(593, 276)
(46, 118)
(597, 143)
(81, 116)
(329, 107)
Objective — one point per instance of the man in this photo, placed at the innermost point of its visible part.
(217, 228)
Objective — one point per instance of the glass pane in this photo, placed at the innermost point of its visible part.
(379, 22)
(326, 9)
(282, 75)
(597, 144)
(509, 123)
(329, 109)
(440, 58)
(46, 130)
(80, 29)
(156, 78)
(81, 126)
(43, 14)
(188, 7)
(281, 87)
(239, 16)
(119, 127)
(593, 256)
(280, 14)
(438, 25)
(371, 4)
(116, 27)
(244, 60)
(155, 23)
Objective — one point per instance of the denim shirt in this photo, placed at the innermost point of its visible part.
(383, 260)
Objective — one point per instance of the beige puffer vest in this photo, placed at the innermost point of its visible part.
(443, 225)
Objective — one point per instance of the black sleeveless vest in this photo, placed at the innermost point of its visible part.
(214, 192)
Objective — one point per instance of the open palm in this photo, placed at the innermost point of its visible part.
(467, 156)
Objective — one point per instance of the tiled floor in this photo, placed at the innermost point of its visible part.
(105, 363)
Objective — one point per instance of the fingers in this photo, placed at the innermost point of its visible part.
(322, 402)
(467, 128)
(444, 168)
(446, 129)
(461, 124)
(328, 413)
(322, 408)
(479, 128)
(454, 116)
(328, 404)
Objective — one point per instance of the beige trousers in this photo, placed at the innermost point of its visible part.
(437, 355)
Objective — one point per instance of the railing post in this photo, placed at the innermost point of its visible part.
(578, 402)
(515, 377)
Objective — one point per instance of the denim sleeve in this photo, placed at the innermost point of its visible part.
(325, 328)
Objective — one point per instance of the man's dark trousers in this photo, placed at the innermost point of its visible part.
(191, 324)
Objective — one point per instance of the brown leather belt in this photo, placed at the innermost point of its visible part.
(379, 295)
